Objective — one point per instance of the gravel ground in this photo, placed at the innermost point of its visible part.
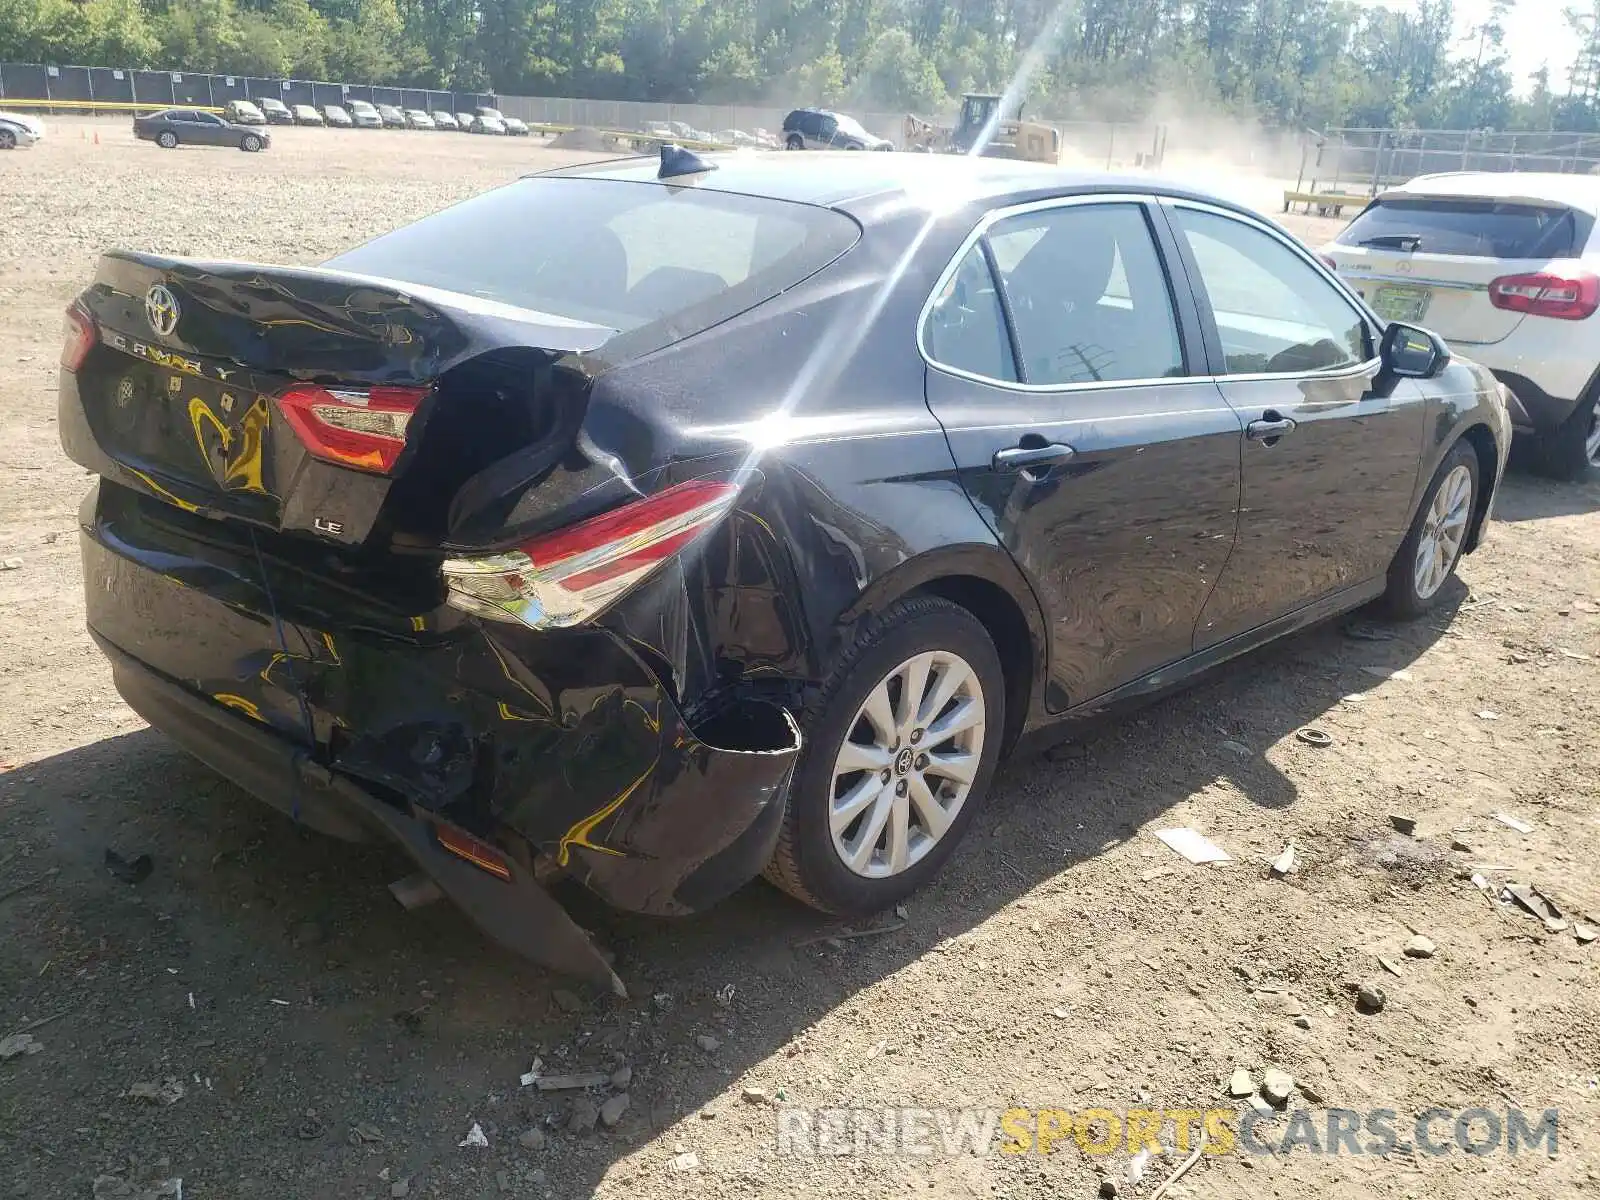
(326, 1043)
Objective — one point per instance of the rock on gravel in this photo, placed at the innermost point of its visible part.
(1240, 1084)
(1419, 947)
(611, 1111)
(1276, 1086)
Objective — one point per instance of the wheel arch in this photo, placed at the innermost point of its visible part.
(1481, 439)
(986, 582)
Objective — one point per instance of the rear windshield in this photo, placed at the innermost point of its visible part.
(1472, 228)
(612, 252)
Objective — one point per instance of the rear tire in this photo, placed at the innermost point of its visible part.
(250, 143)
(795, 142)
(1432, 549)
(909, 843)
(1571, 452)
(167, 140)
(8, 140)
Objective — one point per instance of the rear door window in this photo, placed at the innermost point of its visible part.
(1470, 228)
(616, 253)
(966, 328)
(1088, 294)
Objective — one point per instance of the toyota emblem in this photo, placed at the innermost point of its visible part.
(161, 310)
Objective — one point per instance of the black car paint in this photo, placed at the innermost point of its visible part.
(648, 755)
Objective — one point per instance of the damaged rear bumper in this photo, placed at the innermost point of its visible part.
(562, 751)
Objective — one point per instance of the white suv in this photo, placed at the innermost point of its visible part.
(1506, 268)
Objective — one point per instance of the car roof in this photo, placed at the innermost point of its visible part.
(1581, 192)
(838, 179)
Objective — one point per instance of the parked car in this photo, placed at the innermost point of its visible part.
(336, 116)
(243, 112)
(789, 619)
(820, 129)
(19, 129)
(444, 120)
(392, 117)
(417, 119)
(364, 115)
(304, 114)
(515, 126)
(175, 127)
(276, 111)
(1506, 266)
(483, 122)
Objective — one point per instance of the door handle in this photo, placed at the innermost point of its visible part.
(1269, 428)
(1030, 458)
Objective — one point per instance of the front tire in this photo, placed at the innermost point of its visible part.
(1571, 452)
(250, 143)
(8, 140)
(900, 747)
(167, 140)
(1432, 548)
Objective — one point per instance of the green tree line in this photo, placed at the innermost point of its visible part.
(1307, 62)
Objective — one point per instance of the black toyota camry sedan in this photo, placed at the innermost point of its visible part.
(737, 515)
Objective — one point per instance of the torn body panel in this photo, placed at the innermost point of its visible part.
(567, 741)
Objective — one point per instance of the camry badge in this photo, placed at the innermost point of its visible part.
(161, 310)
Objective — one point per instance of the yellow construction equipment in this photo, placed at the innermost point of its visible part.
(1011, 136)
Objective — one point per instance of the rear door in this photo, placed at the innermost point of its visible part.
(1429, 260)
(1068, 373)
(213, 130)
(1331, 451)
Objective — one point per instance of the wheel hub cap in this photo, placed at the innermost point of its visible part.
(1443, 530)
(891, 804)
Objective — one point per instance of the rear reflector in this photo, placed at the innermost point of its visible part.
(573, 575)
(364, 428)
(1567, 298)
(479, 853)
(80, 338)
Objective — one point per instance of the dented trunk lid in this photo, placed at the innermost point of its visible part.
(181, 392)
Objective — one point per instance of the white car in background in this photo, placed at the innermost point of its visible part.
(19, 129)
(1506, 268)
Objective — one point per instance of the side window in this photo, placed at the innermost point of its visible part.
(1276, 315)
(827, 127)
(1089, 295)
(967, 327)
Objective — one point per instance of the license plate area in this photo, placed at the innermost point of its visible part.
(1401, 302)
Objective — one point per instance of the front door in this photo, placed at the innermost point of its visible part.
(1332, 448)
(1070, 380)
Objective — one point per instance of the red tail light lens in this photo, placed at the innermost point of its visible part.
(364, 428)
(1329, 262)
(573, 575)
(1567, 298)
(81, 336)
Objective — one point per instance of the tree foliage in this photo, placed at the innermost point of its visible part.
(1311, 62)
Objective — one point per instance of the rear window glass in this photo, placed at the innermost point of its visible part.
(611, 252)
(1472, 228)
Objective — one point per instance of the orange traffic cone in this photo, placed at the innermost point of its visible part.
(96, 137)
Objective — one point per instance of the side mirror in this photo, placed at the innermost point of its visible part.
(1412, 353)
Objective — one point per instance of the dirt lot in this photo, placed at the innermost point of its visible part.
(329, 1044)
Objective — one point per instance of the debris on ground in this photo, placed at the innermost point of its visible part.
(1284, 863)
(1584, 933)
(532, 1138)
(1400, 676)
(1192, 846)
(400, 1188)
(689, 1161)
(365, 1132)
(475, 1138)
(1402, 823)
(563, 1083)
(1370, 998)
(1536, 903)
(10, 564)
(169, 1091)
(1488, 714)
(622, 1077)
(754, 1095)
(1389, 965)
(1302, 1021)
(706, 1042)
(1237, 749)
(727, 991)
(1240, 1084)
(1419, 947)
(1511, 822)
(1155, 873)
(1109, 1188)
(531, 1076)
(17, 1044)
(129, 870)
(1459, 844)
(1276, 1086)
(837, 939)
(1313, 736)
(1366, 631)
(611, 1111)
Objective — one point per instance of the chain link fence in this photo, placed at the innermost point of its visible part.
(1369, 159)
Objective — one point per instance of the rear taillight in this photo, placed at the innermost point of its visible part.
(81, 336)
(573, 575)
(1329, 261)
(1567, 298)
(364, 428)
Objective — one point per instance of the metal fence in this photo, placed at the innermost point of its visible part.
(92, 88)
(1369, 159)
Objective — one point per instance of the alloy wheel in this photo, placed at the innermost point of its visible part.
(907, 764)
(1591, 443)
(1443, 530)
